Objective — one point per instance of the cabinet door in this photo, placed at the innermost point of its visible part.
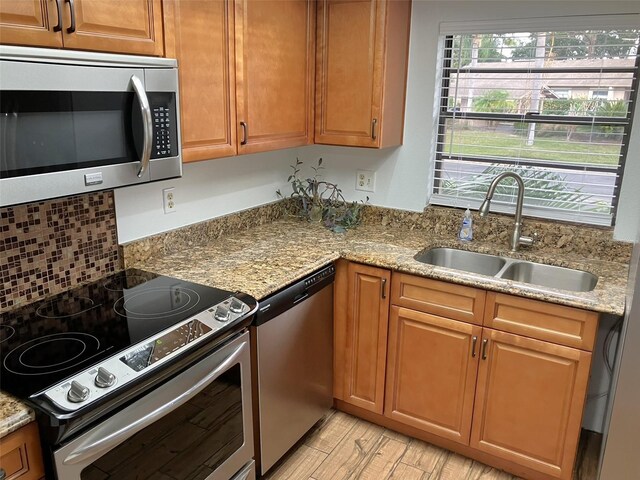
(21, 455)
(360, 325)
(30, 22)
(202, 41)
(431, 373)
(529, 401)
(275, 66)
(131, 26)
(349, 62)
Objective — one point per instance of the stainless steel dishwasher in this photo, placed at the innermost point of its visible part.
(292, 359)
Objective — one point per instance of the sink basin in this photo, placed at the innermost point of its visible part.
(462, 260)
(550, 276)
(510, 269)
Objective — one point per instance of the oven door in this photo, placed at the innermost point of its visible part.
(68, 129)
(196, 425)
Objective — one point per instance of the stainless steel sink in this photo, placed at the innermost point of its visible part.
(510, 269)
(550, 276)
(462, 260)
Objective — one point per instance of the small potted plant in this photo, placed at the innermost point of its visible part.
(322, 201)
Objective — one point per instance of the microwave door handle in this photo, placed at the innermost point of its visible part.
(122, 427)
(147, 124)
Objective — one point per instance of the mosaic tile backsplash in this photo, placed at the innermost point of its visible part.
(51, 246)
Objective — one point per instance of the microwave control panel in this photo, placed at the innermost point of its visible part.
(163, 116)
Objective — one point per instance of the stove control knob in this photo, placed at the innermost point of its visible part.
(77, 393)
(104, 378)
(222, 314)
(236, 306)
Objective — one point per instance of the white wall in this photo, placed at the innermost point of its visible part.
(403, 174)
(206, 190)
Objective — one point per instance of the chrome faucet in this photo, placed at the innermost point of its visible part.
(516, 238)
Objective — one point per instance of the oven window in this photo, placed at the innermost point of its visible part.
(49, 131)
(189, 442)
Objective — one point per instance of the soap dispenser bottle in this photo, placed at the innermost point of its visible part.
(466, 230)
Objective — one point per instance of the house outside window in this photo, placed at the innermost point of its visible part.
(553, 106)
(600, 94)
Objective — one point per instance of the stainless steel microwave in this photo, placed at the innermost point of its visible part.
(74, 122)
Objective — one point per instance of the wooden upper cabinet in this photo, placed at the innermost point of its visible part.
(360, 326)
(529, 402)
(361, 64)
(131, 26)
(431, 373)
(199, 33)
(30, 22)
(275, 44)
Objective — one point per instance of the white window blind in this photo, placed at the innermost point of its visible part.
(553, 106)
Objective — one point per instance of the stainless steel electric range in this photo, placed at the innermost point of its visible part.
(136, 376)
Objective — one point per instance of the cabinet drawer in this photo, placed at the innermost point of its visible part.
(20, 454)
(438, 298)
(568, 326)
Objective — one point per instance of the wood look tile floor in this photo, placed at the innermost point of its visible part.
(343, 447)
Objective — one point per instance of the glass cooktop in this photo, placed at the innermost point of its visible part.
(45, 342)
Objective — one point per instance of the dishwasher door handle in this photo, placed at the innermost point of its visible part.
(301, 297)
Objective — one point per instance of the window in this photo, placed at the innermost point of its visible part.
(553, 106)
(600, 94)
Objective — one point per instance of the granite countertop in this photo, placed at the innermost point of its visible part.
(13, 414)
(265, 258)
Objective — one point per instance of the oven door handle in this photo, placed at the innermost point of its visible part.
(147, 124)
(155, 406)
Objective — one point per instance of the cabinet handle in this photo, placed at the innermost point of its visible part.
(245, 129)
(72, 11)
(384, 288)
(3, 474)
(474, 340)
(57, 28)
(374, 124)
(484, 348)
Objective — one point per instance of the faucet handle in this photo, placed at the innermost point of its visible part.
(528, 241)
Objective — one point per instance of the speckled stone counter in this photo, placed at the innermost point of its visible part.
(13, 414)
(265, 258)
(259, 252)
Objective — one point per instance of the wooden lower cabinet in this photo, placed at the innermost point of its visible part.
(361, 319)
(529, 401)
(500, 397)
(431, 373)
(20, 454)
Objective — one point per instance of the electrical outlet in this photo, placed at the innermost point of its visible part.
(169, 200)
(365, 180)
